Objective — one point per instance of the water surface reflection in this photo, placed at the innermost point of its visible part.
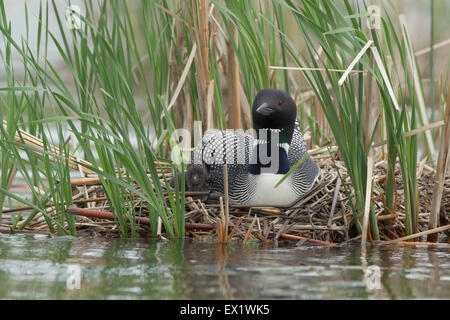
(35, 266)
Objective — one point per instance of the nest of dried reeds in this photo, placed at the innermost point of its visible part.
(324, 215)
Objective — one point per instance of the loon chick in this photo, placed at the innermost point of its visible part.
(195, 178)
(257, 162)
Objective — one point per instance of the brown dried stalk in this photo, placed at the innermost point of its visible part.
(440, 171)
(37, 143)
(234, 115)
(143, 220)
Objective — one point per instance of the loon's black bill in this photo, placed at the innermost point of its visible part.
(265, 109)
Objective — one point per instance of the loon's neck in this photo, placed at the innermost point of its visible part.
(269, 158)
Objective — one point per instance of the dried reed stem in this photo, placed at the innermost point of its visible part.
(249, 231)
(410, 133)
(335, 198)
(143, 220)
(417, 86)
(182, 78)
(367, 107)
(236, 226)
(234, 114)
(354, 62)
(384, 75)
(208, 107)
(227, 202)
(37, 143)
(440, 171)
(367, 200)
(420, 234)
(436, 46)
(311, 69)
(201, 36)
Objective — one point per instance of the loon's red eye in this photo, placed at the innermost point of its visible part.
(280, 103)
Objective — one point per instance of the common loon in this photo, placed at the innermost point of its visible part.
(256, 162)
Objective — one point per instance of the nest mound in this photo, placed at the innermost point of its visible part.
(325, 214)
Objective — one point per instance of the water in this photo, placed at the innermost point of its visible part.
(36, 266)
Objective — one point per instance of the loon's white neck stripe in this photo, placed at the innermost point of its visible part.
(283, 145)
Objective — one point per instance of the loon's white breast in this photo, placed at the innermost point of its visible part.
(267, 195)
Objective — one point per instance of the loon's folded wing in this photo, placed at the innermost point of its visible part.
(234, 149)
(304, 176)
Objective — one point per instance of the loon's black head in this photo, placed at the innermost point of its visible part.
(274, 109)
